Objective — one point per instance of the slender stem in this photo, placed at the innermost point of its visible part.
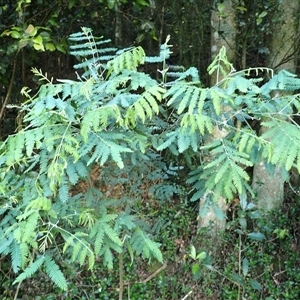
(17, 291)
(9, 89)
(155, 273)
(187, 295)
(240, 264)
(121, 276)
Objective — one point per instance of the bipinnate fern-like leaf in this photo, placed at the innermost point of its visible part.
(108, 258)
(145, 106)
(165, 191)
(5, 243)
(102, 233)
(63, 191)
(247, 139)
(98, 119)
(219, 99)
(98, 234)
(220, 65)
(243, 85)
(170, 138)
(91, 52)
(16, 256)
(105, 145)
(182, 139)
(142, 244)
(225, 175)
(28, 222)
(31, 269)
(55, 274)
(40, 203)
(194, 123)
(284, 81)
(183, 96)
(78, 247)
(284, 147)
(165, 53)
(128, 60)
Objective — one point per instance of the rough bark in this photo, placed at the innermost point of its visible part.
(118, 25)
(269, 188)
(284, 39)
(210, 219)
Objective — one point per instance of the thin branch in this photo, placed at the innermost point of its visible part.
(187, 295)
(9, 89)
(155, 273)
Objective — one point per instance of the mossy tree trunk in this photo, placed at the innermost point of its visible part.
(269, 184)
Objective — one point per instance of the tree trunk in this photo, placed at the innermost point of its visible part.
(118, 25)
(223, 34)
(284, 39)
(269, 188)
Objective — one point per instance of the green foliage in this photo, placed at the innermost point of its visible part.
(216, 124)
(220, 65)
(172, 136)
(71, 128)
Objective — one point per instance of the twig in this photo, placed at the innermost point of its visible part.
(185, 297)
(155, 273)
(17, 291)
(121, 276)
(9, 89)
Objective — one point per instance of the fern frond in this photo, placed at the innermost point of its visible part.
(14, 147)
(176, 93)
(190, 95)
(247, 140)
(87, 218)
(71, 172)
(27, 227)
(111, 233)
(184, 141)
(165, 191)
(191, 75)
(242, 84)
(164, 54)
(5, 245)
(106, 144)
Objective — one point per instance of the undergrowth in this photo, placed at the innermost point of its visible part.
(274, 262)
